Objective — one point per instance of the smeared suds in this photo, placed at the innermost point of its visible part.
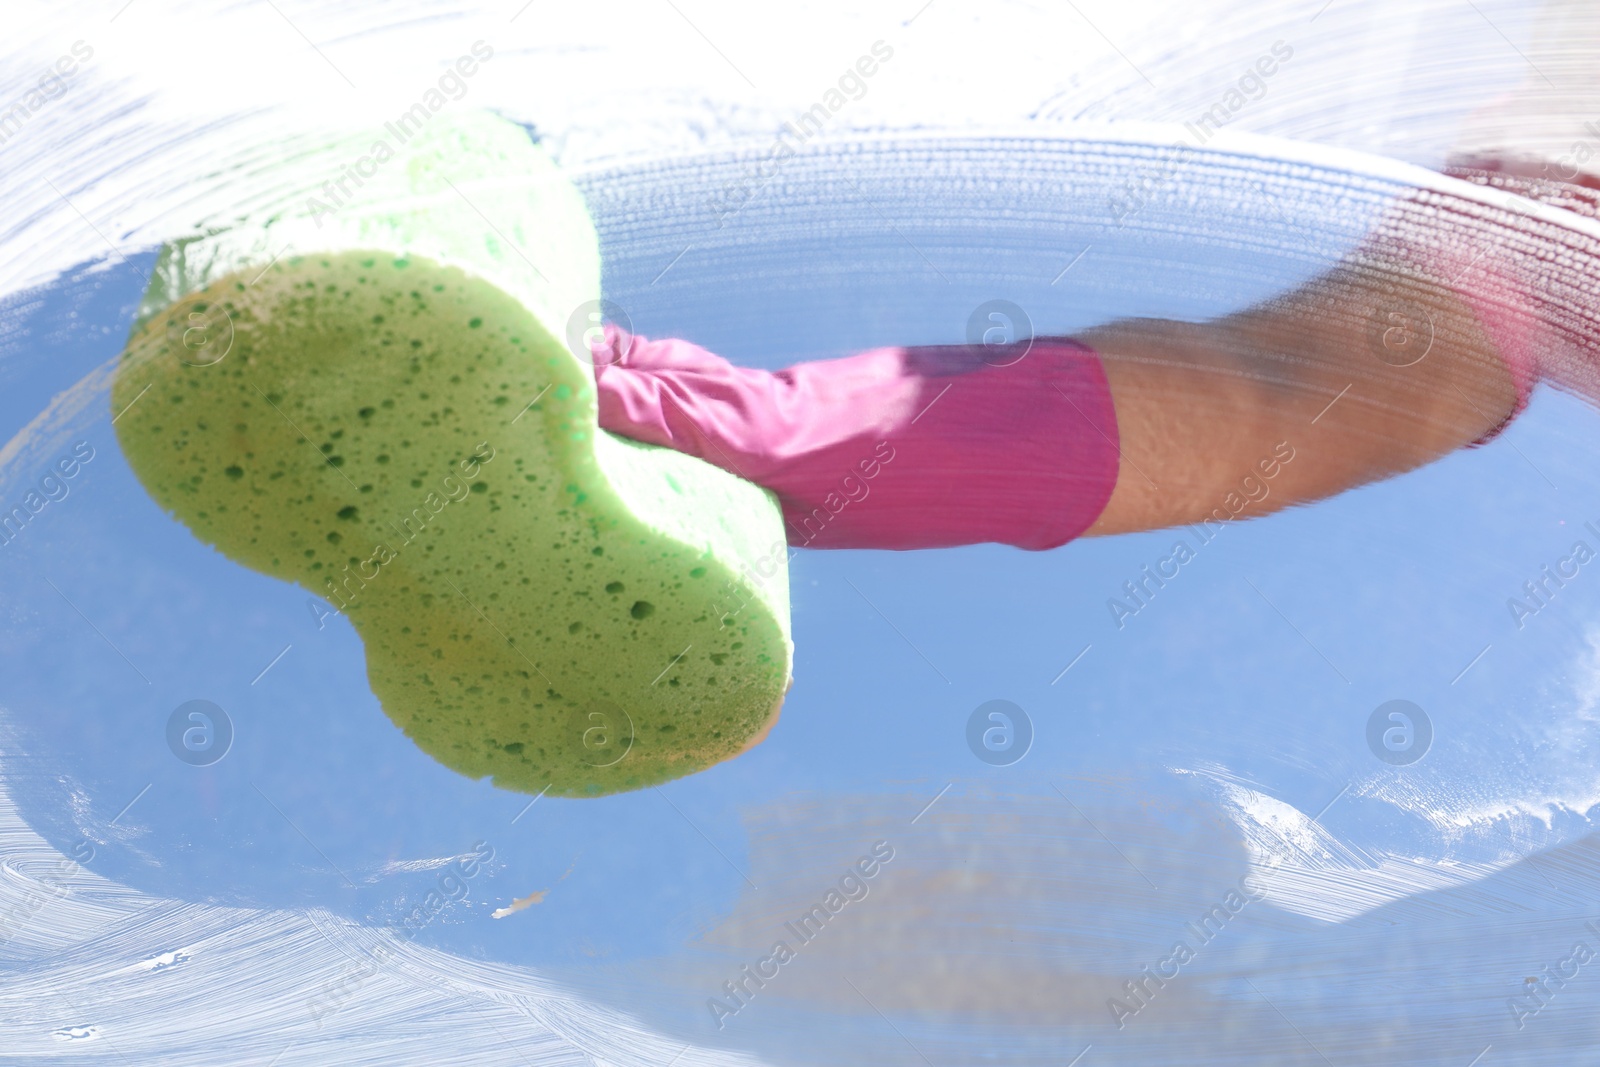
(1305, 869)
(1552, 791)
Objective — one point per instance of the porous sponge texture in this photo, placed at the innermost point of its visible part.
(539, 602)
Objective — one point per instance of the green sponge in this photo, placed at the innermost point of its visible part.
(371, 398)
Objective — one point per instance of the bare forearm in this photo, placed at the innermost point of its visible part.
(1362, 377)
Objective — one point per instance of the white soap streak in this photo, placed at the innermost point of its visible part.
(1550, 792)
(89, 967)
(167, 125)
(408, 867)
(94, 961)
(28, 450)
(164, 960)
(1305, 869)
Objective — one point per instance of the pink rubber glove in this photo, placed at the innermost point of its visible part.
(1510, 323)
(1510, 317)
(891, 448)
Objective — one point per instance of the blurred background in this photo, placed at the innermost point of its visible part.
(1210, 770)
